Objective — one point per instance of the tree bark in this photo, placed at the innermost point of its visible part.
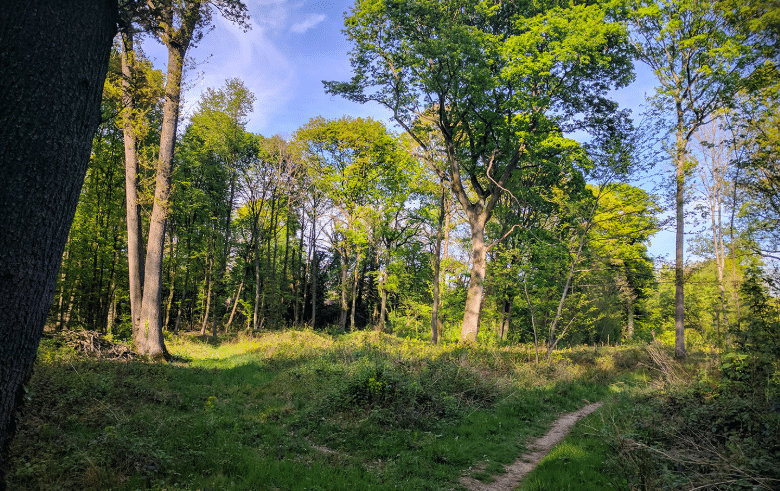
(134, 234)
(470, 329)
(256, 312)
(150, 340)
(54, 57)
(355, 278)
(383, 301)
(506, 317)
(437, 271)
(235, 305)
(679, 279)
(210, 281)
(344, 305)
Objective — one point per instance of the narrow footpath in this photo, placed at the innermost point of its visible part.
(538, 448)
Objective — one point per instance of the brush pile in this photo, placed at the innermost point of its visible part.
(93, 345)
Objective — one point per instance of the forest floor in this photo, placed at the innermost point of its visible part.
(539, 448)
(301, 410)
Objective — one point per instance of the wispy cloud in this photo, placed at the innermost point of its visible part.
(309, 22)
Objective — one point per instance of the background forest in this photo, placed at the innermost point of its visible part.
(349, 225)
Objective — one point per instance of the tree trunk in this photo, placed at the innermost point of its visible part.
(383, 301)
(150, 340)
(344, 305)
(235, 304)
(54, 57)
(506, 317)
(256, 311)
(679, 280)
(299, 291)
(533, 319)
(437, 272)
(183, 292)
(354, 293)
(314, 276)
(225, 256)
(210, 281)
(479, 248)
(172, 281)
(134, 234)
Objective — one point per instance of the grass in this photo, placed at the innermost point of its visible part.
(299, 410)
(689, 427)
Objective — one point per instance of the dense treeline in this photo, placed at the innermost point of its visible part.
(349, 225)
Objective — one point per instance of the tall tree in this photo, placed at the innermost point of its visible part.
(699, 61)
(367, 177)
(496, 79)
(179, 26)
(46, 127)
(219, 125)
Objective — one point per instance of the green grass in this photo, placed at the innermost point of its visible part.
(296, 410)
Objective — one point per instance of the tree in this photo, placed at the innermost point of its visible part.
(367, 177)
(219, 127)
(497, 80)
(699, 61)
(179, 26)
(46, 128)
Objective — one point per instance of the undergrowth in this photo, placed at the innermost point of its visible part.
(296, 410)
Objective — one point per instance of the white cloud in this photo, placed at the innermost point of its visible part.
(256, 59)
(309, 22)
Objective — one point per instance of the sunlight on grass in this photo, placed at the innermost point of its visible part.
(298, 409)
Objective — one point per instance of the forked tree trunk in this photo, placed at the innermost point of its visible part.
(235, 305)
(54, 57)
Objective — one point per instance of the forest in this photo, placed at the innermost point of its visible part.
(484, 250)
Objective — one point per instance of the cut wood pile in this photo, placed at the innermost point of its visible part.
(93, 345)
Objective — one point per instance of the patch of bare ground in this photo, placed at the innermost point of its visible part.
(538, 448)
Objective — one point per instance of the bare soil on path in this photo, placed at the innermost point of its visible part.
(538, 448)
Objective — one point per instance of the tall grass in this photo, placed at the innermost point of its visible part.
(295, 410)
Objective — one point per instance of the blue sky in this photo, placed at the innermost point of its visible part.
(291, 48)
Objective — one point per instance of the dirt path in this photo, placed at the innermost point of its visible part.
(538, 449)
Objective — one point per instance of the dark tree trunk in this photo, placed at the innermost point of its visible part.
(54, 57)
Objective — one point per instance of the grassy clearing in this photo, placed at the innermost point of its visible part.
(297, 410)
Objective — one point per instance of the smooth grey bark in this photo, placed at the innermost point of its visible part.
(54, 57)
(149, 341)
(134, 234)
(679, 243)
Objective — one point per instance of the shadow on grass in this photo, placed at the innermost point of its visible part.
(291, 410)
